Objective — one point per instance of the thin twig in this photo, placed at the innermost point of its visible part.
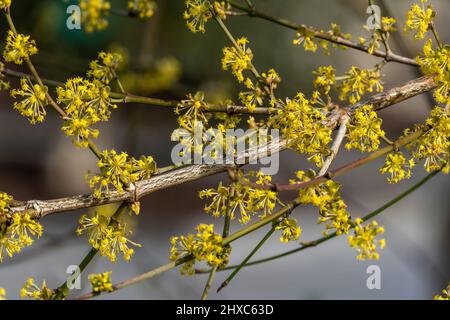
(336, 144)
(323, 35)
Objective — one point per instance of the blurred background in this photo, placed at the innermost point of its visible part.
(165, 60)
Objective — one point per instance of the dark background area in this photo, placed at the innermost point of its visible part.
(39, 162)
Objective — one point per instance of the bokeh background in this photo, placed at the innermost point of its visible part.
(165, 60)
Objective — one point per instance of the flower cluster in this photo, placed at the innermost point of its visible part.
(445, 294)
(86, 103)
(205, 245)
(197, 14)
(325, 196)
(31, 290)
(307, 38)
(419, 19)
(119, 171)
(434, 145)
(365, 240)
(192, 110)
(34, 100)
(143, 8)
(357, 82)
(108, 236)
(436, 63)
(397, 167)
(304, 127)
(289, 230)
(16, 230)
(18, 47)
(93, 14)
(364, 131)
(5, 4)
(326, 78)
(101, 282)
(238, 59)
(258, 91)
(245, 200)
(104, 69)
(380, 35)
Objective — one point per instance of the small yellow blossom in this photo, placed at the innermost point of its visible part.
(101, 282)
(34, 100)
(16, 230)
(197, 14)
(143, 8)
(238, 60)
(445, 294)
(325, 196)
(397, 167)
(326, 77)
(86, 103)
(358, 82)
(305, 38)
(365, 240)
(364, 130)
(290, 230)
(2, 294)
(434, 145)
(5, 4)
(436, 63)
(31, 290)
(304, 128)
(18, 47)
(108, 237)
(119, 171)
(93, 14)
(104, 69)
(205, 245)
(419, 19)
(246, 201)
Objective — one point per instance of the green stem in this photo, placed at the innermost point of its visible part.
(244, 262)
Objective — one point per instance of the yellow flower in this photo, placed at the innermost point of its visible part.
(357, 82)
(246, 201)
(398, 167)
(238, 60)
(197, 14)
(325, 196)
(31, 290)
(445, 294)
(86, 103)
(2, 294)
(5, 4)
(101, 282)
(105, 70)
(436, 63)
(305, 38)
(16, 230)
(304, 127)
(326, 77)
(365, 240)
(205, 245)
(108, 237)
(18, 47)
(364, 131)
(34, 100)
(290, 230)
(434, 145)
(419, 19)
(143, 8)
(93, 14)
